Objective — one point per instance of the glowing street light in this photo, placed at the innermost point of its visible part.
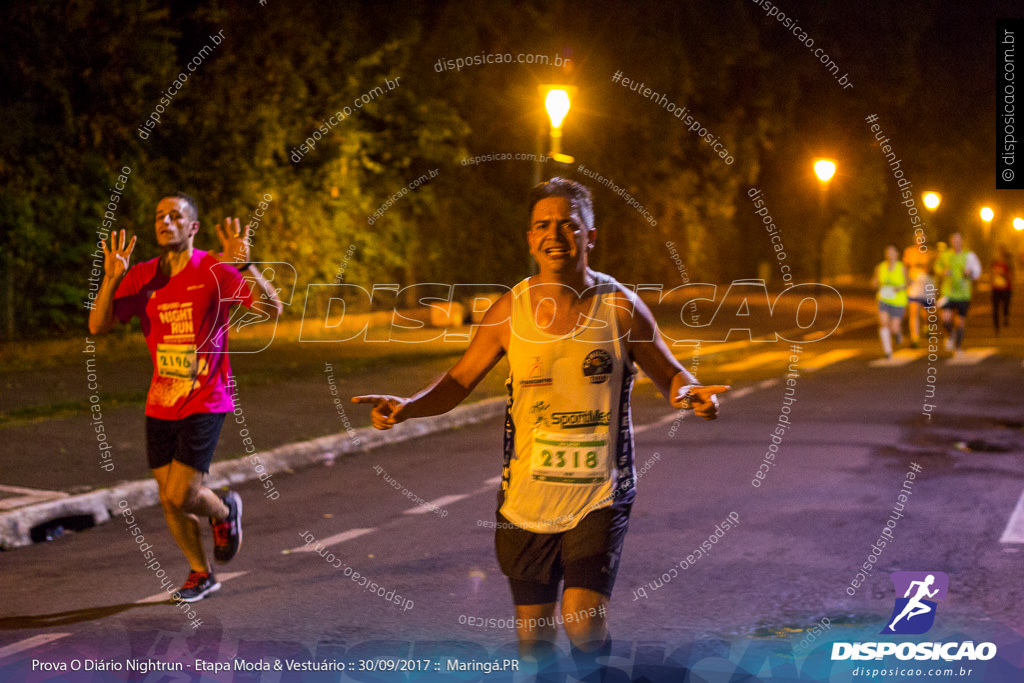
(932, 200)
(557, 104)
(824, 169)
(557, 101)
(1018, 224)
(987, 214)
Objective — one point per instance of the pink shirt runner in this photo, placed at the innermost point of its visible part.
(185, 321)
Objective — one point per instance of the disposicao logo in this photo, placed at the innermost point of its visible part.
(914, 614)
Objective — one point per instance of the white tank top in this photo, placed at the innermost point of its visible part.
(568, 431)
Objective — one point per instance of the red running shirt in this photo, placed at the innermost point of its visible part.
(185, 321)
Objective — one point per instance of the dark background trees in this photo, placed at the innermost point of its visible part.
(81, 77)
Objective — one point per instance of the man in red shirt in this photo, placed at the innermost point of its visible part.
(183, 299)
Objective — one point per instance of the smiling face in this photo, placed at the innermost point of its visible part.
(559, 240)
(176, 224)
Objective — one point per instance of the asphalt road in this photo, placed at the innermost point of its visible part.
(748, 604)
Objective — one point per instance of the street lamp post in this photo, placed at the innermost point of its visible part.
(824, 169)
(931, 202)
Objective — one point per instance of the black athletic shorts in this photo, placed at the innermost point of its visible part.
(961, 307)
(586, 556)
(190, 440)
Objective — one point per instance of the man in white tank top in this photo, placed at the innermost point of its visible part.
(572, 336)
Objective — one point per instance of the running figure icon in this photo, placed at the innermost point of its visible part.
(915, 607)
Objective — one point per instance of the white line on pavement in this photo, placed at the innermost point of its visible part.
(1014, 531)
(432, 505)
(756, 360)
(828, 358)
(334, 540)
(164, 596)
(30, 643)
(901, 357)
(28, 497)
(971, 356)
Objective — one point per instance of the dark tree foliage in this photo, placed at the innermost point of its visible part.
(387, 189)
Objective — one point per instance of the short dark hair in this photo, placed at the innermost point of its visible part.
(577, 194)
(193, 205)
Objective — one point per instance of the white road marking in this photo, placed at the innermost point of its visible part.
(971, 356)
(901, 357)
(28, 497)
(746, 391)
(164, 596)
(30, 643)
(333, 540)
(660, 422)
(757, 360)
(433, 505)
(828, 358)
(849, 327)
(1014, 531)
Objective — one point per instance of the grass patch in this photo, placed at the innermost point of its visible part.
(41, 412)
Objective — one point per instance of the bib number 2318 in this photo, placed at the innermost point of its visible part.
(577, 459)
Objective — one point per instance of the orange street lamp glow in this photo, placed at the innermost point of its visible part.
(1018, 224)
(932, 200)
(987, 214)
(824, 169)
(557, 104)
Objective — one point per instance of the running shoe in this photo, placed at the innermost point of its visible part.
(227, 535)
(198, 586)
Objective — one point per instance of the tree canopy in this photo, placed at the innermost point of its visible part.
(390, 123)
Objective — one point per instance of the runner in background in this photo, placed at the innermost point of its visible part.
(919, 289)
(891, 280)
(1002, 287)
(958, 268)
(183, 299)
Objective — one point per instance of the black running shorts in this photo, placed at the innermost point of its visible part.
(961, 307)
(586, 556)
(190, 440)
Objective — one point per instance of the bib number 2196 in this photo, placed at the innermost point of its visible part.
(176, 361)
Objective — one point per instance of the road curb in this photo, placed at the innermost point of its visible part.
(16, 526)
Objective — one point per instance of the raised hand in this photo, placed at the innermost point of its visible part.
(701, 398)
(387, 410)
(233, 241)
(117, 257)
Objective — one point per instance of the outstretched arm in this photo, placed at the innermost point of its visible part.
(485, 350)
(116, 260)
(653, 356)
